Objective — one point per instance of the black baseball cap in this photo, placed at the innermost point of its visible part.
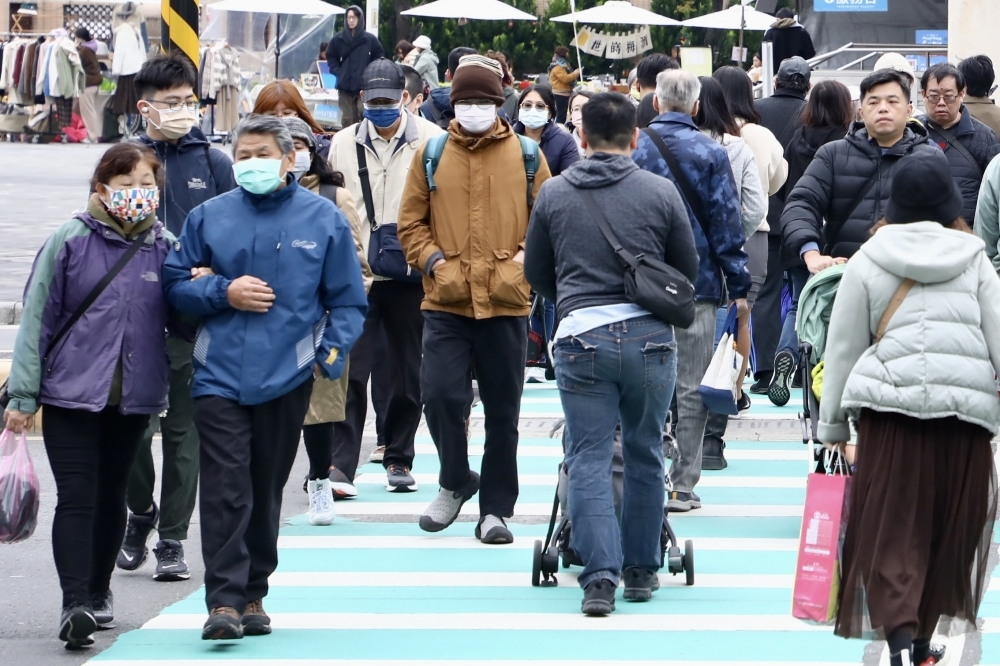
(794, 70)
(383, 79)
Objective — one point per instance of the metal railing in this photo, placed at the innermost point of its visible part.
(875, 50)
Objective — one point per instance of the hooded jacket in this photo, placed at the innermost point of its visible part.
(426, 65)
(300, 244)
(124, 325)
(437, 109)
(753, 199)
(476, 221)
(831, 182)
(562, 77)
(781, 113)
(193, 174)
(987, 225)
(942, 346)
(789, 39)
(706, 166)
(558, 145)
(980, 141)
(569, 261)
(349, 53)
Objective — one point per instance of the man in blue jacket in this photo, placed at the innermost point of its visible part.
(271, 269)
(193, 174)
(718, 235)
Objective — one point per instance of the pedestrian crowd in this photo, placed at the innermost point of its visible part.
(238, 305)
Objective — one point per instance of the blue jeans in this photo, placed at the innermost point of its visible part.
(622, 372)
(789, 341)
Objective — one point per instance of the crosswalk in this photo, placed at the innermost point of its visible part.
(373, 589)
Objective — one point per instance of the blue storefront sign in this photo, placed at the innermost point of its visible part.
(932, 37)
(850, 5)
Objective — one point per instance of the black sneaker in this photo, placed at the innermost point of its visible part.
(342, 487)
(223, 624)
(759, 387)
(77, 626)
(133, 553)
(103, 607)
(170, 564)
(743, 404)
(399, 480)
(255, 621)
(779, 392)
(639, 584)
(599, 598)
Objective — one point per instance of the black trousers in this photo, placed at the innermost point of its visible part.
(91, 455)
(393, 309)
(767, 312)
(562, 106)
(247, 452)
(497, 347)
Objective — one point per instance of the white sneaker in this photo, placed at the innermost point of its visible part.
(321, 508)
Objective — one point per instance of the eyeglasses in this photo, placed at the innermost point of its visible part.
(175, 106)
(482, 106)
(948, 99)
(528, 106)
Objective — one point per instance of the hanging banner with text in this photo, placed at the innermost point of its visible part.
(850, 5)
(614, 46)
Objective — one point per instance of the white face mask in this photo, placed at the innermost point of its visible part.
(534, 118)
(475, 120)
(303, 162)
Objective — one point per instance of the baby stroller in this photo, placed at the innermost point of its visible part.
(815, 307)
(557, 541)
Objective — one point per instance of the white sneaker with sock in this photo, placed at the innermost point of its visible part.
(321, 507)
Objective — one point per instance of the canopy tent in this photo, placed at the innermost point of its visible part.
(738, 17)
(617, 12)
(477, 10)
(316, 8)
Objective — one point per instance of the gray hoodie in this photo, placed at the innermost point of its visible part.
(567, 258)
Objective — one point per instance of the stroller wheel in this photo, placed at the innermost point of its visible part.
(689, 562)
(550, 560)
(675, 561)
(536, 565)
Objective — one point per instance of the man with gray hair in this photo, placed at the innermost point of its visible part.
(706, 183)
(271, 270)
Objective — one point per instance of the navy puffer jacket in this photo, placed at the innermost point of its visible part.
(980, 141)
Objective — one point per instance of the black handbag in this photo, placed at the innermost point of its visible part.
(649, 283)
(87, 302)
(385, 255)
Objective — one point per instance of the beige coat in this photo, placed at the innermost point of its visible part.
(770, 160)
(985, 111)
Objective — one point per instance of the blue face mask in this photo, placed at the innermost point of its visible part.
(259, 175)
(382, 115)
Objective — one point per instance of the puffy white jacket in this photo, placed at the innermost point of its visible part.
(387, 183)
(942, 346)
(129, 52)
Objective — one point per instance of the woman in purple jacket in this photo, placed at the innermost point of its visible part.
(102, 380)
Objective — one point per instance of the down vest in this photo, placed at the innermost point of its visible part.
(942, 346)
(980, 141)
(828, 187)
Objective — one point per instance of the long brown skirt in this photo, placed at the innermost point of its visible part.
(922, 507)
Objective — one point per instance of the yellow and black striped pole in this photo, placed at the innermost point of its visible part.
(180, 27)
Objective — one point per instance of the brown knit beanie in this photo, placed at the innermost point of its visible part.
(477, 77)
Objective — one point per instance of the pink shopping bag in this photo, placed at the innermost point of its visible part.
(817, 571)
(19, 493)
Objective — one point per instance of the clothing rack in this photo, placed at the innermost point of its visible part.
(24, 34)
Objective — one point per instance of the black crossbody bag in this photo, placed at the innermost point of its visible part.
(649, 283)
(84, 306)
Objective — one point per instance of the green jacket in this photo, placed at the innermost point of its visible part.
(70, 77)
(987, 223)
(815, 306)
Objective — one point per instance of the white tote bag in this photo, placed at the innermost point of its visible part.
(718, 388)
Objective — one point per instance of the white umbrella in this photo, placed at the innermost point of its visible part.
(616, 11)
(477, 10)
(739, 17)
(296, 7)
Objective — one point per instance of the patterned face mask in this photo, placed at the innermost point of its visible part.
(133, 205)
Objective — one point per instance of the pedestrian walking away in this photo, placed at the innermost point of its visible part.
(193, 173)
(93, 120)
(646, 72)
(713, 208)
(462, 223)
(979, 79)
(615, 362)
(789, 38)
(847, 185)
(425, 62)
(328, 401)
(911, 356)
(349, 52)
(968, 144)
(98, 277)
(375, 156)
(781, 114)
(272, 271)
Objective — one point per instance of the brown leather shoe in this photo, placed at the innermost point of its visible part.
(255, 620)
(223, 624)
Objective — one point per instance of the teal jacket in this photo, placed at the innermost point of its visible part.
(987, 225)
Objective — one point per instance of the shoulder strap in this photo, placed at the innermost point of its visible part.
(328, 192)
(211, 169)
(99, 288)
(366, 186)
(953, 142)
(602, 222)
(693, 200)
(529, 151)
(894, 303)
(432, 155)
(790, 125)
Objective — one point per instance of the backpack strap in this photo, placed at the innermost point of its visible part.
(529, 151)
(432, 156)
